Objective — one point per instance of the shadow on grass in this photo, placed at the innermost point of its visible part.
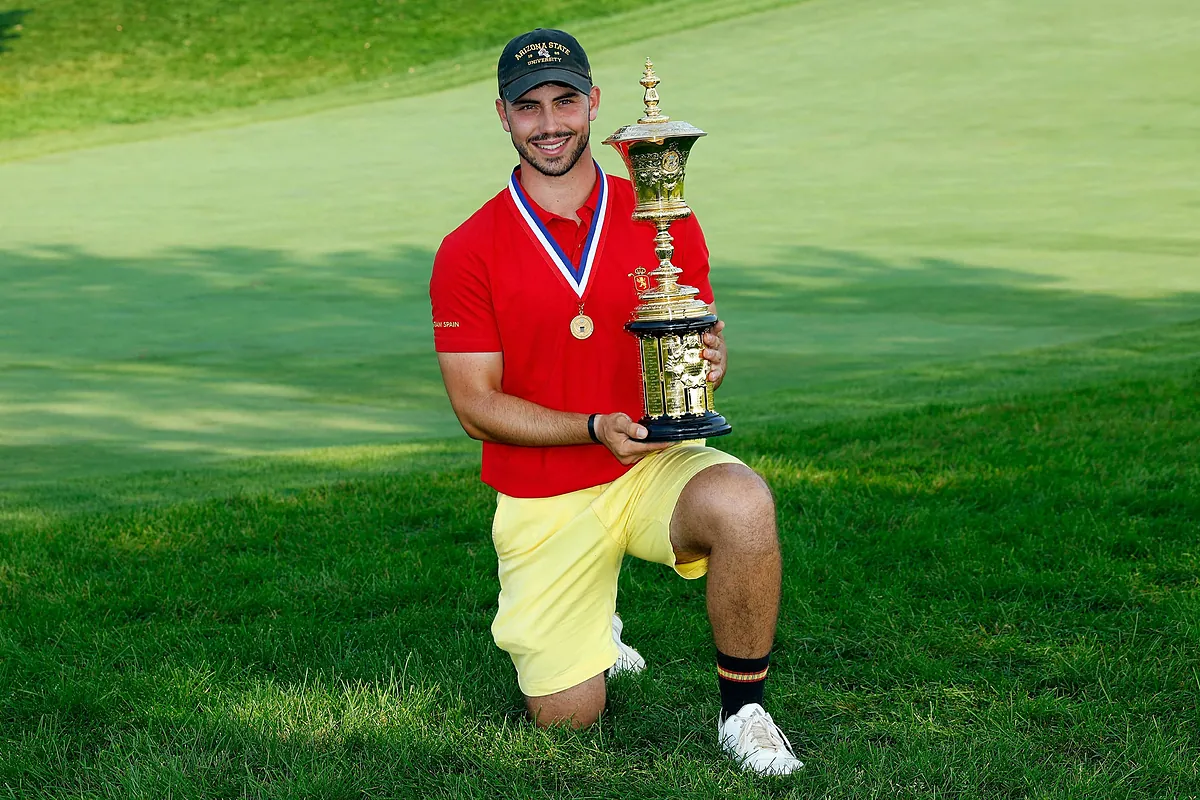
(817, 314)
(10, 27)
(187, 359)
(979, 601)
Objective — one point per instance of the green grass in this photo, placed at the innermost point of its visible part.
(78, 64)
(243, 547)
(75, 67)
(986, 600)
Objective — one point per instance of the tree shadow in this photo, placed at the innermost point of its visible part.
(189, 356)
(185, 359)
(10, 27)
(816, 314)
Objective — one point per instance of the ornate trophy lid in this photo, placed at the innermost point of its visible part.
(655, 151)
(654, 126)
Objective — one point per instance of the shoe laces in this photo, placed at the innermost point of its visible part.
(762, 732)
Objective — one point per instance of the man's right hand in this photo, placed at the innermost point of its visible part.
(622, 436)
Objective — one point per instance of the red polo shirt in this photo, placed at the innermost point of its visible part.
(496, 289)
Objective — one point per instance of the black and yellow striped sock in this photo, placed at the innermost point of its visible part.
(741, 681)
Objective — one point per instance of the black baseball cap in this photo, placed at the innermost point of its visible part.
(542, 56)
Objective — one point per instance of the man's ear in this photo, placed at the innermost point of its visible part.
(502, 112)
(593, 103)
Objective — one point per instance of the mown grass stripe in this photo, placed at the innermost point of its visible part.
(64, 107)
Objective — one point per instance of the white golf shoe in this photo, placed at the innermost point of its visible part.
(753, 739)
(628, 659)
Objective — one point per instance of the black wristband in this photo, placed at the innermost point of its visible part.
(592, 428)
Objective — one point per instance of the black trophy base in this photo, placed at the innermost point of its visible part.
(700, 426)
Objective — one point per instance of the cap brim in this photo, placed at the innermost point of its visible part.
(549, 75)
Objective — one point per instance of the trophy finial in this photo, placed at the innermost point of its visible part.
(650, 80)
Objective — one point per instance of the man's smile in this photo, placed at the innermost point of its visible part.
(555, 146)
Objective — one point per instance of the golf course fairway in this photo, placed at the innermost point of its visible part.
(244, 549)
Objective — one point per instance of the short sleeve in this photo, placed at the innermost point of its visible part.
(691, 256)
(464, 319)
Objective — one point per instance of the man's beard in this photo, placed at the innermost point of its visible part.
(557, 165)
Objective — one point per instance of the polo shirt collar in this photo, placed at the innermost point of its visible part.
(586, 211)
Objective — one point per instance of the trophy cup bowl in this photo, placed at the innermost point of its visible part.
(670, 320)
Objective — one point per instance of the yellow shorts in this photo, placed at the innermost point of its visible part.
(560, 558)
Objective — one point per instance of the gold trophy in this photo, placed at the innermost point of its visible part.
(670, 319)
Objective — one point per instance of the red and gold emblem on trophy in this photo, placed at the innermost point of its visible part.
(641, 281)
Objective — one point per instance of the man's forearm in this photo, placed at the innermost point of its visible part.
(499, 417)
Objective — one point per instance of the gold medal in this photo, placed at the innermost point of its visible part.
(581, 325)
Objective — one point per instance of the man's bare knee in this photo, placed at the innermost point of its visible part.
(723, 502)
(578, 707)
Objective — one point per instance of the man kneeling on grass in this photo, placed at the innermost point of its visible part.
(552, 402)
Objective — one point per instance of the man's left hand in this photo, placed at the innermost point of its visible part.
(714, 353)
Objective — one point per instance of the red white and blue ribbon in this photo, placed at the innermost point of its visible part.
(577, 275)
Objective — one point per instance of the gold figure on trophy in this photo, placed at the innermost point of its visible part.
(670, 319)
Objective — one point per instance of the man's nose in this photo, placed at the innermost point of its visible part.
(549, 121)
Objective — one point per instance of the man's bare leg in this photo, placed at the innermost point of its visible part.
(726, 512)
(579, 706)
